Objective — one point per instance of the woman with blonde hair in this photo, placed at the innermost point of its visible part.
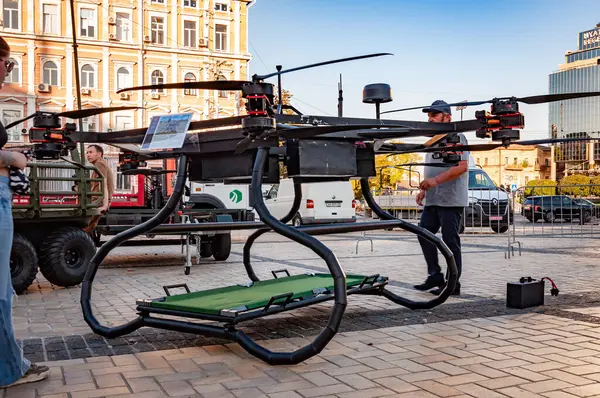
(15, 369)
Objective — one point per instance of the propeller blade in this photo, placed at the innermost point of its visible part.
(309, 132)
(83, 113)
(19, 121)
(473, 103)
(224, 85)
(335, 61)
(540, 99)
(488, 147)
(197, 125)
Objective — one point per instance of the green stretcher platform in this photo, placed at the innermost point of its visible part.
(231, 300)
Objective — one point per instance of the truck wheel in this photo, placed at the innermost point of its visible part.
(23, 263)
(500, 229)
(586, 218)
(297, 220)
(221, 247)
(206, 249)
(65, 255)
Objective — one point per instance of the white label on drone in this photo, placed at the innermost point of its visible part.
(167, 132)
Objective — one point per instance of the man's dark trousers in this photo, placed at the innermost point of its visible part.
(448, 219)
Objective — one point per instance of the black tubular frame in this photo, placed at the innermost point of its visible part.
(452, 275)
(339, 279)
(303, 235)
(258, 233)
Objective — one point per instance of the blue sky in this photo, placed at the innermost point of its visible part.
(453, 50)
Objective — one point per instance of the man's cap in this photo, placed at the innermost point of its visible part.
(439, 106)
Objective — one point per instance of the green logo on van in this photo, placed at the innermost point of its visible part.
(235, 196)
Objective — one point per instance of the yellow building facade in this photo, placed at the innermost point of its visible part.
(122, 44)
(515, 165)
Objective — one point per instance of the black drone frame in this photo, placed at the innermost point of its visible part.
(317, 149)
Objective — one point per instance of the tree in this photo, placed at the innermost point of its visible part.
(575, 184)
(286, 96)
(389, 171)
(595, 189)
(540, 187)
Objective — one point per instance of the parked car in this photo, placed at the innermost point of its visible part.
(552, 207)
(594, 206)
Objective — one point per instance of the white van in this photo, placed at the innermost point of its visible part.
(489, 206)
(322, 202)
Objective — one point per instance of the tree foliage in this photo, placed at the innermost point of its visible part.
(286, 96)
(595, 189)
(575, 184)
(540, 187)
(389, 171)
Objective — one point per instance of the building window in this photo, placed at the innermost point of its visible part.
(190, 3)
(158, 1)
(189, 77)
(123, 182)
(478, 161)
(11, 14)
(123, 78)
(9, 116)
(158, 30)
(220, 37)
(123, 122)
(189, 34)
(50, 19)
(123, 26)
(506, 161)
(87, 22)
(221, 7)
(485, 161)
(222, 93)
(13, 76)
(157, 78)
(89, 123)
(87, 76)
(514, 161)
(50, 73)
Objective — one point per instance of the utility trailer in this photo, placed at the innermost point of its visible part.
(202, 204)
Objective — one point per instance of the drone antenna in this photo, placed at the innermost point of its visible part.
(279, 89)
(340, 98)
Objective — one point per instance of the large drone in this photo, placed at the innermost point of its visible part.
(249, 149)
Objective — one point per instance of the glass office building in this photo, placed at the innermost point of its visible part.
(577, 117)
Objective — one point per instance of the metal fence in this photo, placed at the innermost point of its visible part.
(563, 210)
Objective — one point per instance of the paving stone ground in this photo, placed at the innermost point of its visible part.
(471, 345)
(526, 355)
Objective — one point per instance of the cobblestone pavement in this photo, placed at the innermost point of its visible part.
(48, 320)
(527, 355)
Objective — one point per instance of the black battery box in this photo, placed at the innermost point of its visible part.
(526, 293)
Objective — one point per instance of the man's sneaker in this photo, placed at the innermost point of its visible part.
(438, 291)
(432, 281)
(35, 373)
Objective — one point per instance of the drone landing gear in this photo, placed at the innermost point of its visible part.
(234, 304)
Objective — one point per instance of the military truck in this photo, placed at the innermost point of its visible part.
(48, 224)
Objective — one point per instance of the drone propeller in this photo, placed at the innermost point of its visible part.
(335, 61)
(364, 130)
(488, 147)
(76, 114)
(531, 100)
(221, 85)
(237, 85)
(197, 125)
